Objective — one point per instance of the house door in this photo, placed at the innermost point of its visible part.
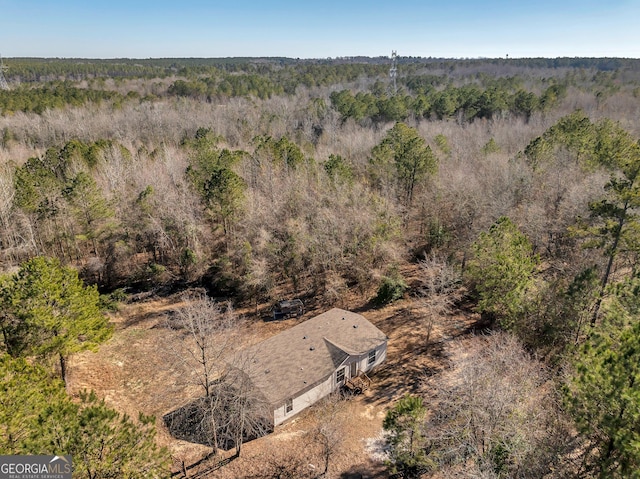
(353, 372)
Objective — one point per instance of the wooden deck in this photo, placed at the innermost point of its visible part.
(358, 384)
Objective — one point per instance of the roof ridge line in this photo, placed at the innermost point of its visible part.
(336, 345)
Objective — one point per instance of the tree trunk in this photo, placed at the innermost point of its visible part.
(612, 255)
(327, 454)
(214, 423)
(6, 339)
(63, 369)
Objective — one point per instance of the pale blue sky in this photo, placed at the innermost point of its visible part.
(319, 29)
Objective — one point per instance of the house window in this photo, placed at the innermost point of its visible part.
(340, 376)
(372, 357)
(288, 406)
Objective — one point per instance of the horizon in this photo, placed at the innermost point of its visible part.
(346, 57)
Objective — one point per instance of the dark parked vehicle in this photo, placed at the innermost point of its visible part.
(288, 308)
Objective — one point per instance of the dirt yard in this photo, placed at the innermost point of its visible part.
(136, 371)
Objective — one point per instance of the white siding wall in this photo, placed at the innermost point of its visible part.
(363, 361)
(328, 386)
(305, 400)
(381, 355)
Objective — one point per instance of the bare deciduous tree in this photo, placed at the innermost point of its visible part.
(496, 414)
(282, 464)
(210, 334)
(208, 337)
(328, 429)
(246, 414)
(440, 289)
(232, 409)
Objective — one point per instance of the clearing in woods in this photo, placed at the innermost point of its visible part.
(136, 372)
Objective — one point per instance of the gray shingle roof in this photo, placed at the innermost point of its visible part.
(296, 360)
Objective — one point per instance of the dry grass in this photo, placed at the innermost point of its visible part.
(136, 372)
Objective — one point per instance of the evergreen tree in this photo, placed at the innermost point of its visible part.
(614, 221)
(339, 170)
(404, 425)
(221, 189)
(25, 392)
(52, 312)
(282, 152)
(502, 271)
(404, 150)
(37, 417)
(604, 394)
(108, 444)
(89, 207)
(224, 194)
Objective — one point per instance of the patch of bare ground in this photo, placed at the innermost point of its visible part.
(136, 372)
(292, 443)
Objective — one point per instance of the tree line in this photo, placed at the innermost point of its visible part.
(55, 96)
(466, 103)
(39, 69)
(433, 90)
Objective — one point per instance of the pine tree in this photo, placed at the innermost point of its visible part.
(54, 314)
(604, 394)
(37, 417)
(502, 271)
(404, 424)
(404, 150)
(614, 220)
(25, 391)
(108, 444)
(90, 210)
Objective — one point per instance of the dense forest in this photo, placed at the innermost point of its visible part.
(511, 185)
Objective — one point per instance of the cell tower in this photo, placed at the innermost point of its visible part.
(3, 83)
(393, 72)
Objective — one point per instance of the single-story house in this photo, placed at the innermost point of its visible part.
(303, 364)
